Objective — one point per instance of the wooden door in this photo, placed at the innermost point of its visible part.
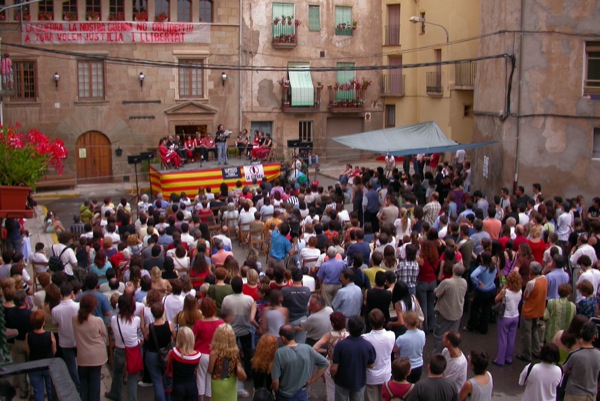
(393, 28)
(94, 158)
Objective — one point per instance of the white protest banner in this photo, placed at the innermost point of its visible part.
(254, 171)
(56, 33)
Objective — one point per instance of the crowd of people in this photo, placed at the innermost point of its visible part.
(358, 277)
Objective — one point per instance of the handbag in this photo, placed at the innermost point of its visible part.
(500, 307)
(418, 309)
(133, 355)
(163, 353)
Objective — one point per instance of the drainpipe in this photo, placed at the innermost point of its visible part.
(239, 70)
(520, 61)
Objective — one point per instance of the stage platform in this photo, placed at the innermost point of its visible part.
(192, 176)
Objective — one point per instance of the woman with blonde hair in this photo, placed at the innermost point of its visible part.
(250, 288)
(225, 364)
(183, 362)
(158, 283)
(537, 244)
(134, 244)
(262, 361)
(403, 224)
(232, 266)
(508, 322)
(190, 314)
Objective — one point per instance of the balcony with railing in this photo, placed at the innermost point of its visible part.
(348, 97)
(311, 106)
(433, 83)
(285, 33)
(346, 29)
(392, 35)
(393, 84)
(464, 75)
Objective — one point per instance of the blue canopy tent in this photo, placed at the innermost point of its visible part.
(408, 140)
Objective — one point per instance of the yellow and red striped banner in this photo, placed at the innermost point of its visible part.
(177, 181)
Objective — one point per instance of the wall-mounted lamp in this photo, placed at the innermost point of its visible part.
(119, 151)
(56, 78)
(141, 78)
(223, 78)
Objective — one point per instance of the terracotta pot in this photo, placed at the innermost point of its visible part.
(13, 198)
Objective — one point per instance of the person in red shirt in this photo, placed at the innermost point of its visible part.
(537, 244)
(167, 155)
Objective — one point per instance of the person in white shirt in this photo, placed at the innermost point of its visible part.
(39, 260)
(174, 302)
(68, 257)
(583, 248)
(588, 273)
(457, 365)
(223, 236)
(564, 224)
(542, 379)
(62, 316)
(246, 216)
(384, 342)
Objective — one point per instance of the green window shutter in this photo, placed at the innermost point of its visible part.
(281, 10)
(314, 18)
(343, 15)
(344, 77)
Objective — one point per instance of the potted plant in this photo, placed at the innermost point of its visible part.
(141, 16)
(162, 17)
(297, 23)
(24, 159)
(319, 85)
(289, 19)
(354, 24)
(45, 16)
(22, 16)
(2, 16)
(92, 16)
(116, 17)
(276, 20)
(69, 16)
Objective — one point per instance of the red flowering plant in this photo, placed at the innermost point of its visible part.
(26, 156)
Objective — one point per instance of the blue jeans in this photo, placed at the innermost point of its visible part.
(343, 394)
(89, 376)
(39, 381)
(69, 355)
(116, 387)
(222, 152)
(300, 336)
(300, 395)
(426, 298)
(156, 375)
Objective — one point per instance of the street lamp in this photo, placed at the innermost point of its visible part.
(415, 20)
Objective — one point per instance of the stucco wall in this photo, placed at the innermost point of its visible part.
(553, 120)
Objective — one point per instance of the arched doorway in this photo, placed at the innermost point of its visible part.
(94, 158)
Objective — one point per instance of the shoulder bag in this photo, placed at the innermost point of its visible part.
(500, 307)
(133, 355)
(163, 353)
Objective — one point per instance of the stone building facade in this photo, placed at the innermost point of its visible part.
(546, 119)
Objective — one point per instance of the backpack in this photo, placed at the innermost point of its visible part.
(394, 398)
(55, 263)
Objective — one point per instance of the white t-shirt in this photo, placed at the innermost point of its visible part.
(512, 303)
(541, 383)
(173, 305)
(129, 330)
(68, 257)
(456, 369)
(591, 275)
(309, 281)
(383, 341)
